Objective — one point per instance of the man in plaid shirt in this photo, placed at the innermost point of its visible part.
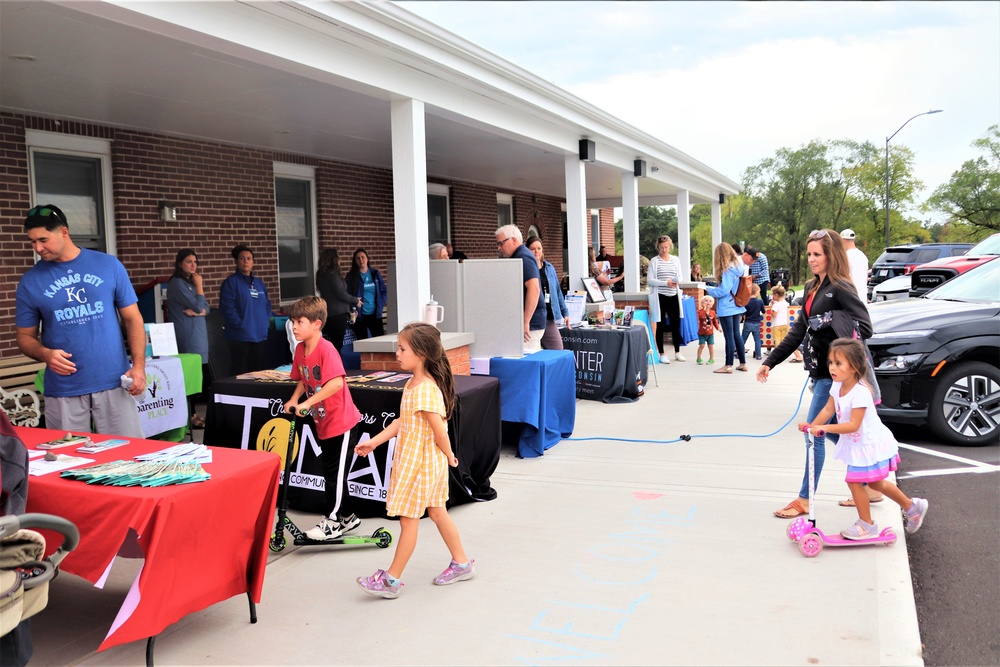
(760, 271)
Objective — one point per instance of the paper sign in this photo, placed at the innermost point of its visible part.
(575, 307)
(160, 340)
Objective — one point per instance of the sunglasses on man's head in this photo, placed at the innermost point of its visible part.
(45, 212)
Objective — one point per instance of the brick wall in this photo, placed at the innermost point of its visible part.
(607, 218)
(225, 196)
(355, 211)
(15, 256)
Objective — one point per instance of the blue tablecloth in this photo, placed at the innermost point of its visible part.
(689, 322)
(538, 391)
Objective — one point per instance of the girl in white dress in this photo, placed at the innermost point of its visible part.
(866, 445)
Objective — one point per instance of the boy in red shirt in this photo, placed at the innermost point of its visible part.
(708, 323)
(321, 378)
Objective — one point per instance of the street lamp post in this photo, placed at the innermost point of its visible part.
(887, 140)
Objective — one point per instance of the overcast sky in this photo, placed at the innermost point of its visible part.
(729, 83)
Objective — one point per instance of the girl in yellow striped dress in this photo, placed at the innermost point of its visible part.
(419, 478)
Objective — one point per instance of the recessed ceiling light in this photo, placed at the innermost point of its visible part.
(22, 58)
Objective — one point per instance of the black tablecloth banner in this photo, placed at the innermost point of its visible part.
(610, 363)
(248, 414)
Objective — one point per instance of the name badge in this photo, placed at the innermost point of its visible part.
(253, 292)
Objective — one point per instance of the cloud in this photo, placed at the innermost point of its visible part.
(732, 82)
(733, 110)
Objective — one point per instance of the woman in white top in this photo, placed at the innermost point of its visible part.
(663, 276)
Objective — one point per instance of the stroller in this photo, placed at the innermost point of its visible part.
(780, 275)
(24, 574)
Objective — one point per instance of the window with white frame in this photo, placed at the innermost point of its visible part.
(294, 203)
(438, 220)
(74, 173)
(505, 210)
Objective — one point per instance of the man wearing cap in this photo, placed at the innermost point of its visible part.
(76, 295)
(759, 269)
(859, 264)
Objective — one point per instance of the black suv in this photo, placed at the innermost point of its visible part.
(937, 359)
(899, 260)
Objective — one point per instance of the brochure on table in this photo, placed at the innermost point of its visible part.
(161, 340)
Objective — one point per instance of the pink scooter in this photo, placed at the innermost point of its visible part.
(811, 539)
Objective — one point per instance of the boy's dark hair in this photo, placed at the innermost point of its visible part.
(241, 248)
(48, 216)
(736, 249)
(425, 341)
(310, 307)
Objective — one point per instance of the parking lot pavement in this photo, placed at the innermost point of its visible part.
(603, 551)
(955, 564)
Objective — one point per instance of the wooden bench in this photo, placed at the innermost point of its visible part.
(18, 397)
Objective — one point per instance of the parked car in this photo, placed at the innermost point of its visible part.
(901, 259)
(928, 276)
(937, 358)
(891, 289)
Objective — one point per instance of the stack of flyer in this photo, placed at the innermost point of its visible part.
(68, 440)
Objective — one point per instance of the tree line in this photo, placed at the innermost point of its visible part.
(837, 184)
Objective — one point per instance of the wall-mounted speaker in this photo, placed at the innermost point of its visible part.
(639, 168)
(588, 150)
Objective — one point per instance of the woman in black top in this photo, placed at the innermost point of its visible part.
(331, 286)
(830, 300)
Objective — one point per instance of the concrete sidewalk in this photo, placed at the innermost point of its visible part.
(601, 552)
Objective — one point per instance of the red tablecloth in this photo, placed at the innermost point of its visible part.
(202, 543)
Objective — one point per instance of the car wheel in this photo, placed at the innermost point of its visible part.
(965, 408)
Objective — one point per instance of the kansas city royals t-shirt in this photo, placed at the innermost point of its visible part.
(76, 303)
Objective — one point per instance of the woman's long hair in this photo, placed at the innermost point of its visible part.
(723, 258)
(329, 260)
(838, 267)
(181, 256)
(425, 341)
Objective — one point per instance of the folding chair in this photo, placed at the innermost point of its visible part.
(651, 358)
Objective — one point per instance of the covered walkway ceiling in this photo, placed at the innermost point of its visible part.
(99, 63)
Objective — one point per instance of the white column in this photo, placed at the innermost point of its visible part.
(409, 197)
(630, 230)
(684, 233)
(716, 229)
(577, 217)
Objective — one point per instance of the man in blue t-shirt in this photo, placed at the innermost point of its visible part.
(510, 244)
(67, 316)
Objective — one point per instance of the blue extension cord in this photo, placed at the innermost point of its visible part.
(687, 438)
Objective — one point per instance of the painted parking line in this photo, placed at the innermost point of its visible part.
(950, 471)
(974, 466)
